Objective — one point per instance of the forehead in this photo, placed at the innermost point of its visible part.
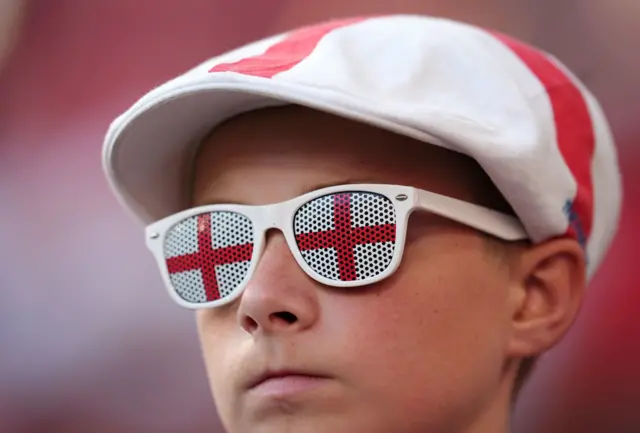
(297, 149)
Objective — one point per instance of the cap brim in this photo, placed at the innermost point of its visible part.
(149, 149)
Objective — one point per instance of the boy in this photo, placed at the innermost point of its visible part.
(380, 221)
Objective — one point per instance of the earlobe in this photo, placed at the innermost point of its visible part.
(551, 278)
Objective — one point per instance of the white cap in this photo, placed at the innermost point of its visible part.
(533, 126)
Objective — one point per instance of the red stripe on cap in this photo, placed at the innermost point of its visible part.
(574, 130)
(286, 54)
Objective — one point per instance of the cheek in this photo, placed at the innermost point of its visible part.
(222, 348)
(430, 331)
(444, 296)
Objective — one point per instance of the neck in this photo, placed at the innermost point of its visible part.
(495, 416)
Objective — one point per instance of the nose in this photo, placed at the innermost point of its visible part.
(280, 297)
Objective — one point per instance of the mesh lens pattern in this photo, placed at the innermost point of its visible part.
(209, 255)
(348, 236)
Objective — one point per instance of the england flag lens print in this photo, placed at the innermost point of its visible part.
(208, 255)
(348, 236)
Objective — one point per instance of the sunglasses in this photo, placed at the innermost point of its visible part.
(341, 236)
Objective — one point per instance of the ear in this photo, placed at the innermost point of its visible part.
(549, 283)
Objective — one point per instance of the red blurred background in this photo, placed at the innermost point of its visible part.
(88, 340)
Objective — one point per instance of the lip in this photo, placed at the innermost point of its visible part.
(281, 382)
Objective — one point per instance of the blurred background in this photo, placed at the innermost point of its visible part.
(88, 340)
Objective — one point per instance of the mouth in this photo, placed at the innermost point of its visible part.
(284, 380)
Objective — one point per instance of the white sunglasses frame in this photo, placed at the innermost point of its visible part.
(280, 216)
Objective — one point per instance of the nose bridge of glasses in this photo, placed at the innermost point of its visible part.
(275, 217)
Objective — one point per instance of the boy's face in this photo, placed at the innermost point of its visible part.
(423, 350)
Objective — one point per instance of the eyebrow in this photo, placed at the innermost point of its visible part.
(303, 190)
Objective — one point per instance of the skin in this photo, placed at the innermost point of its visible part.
(434, 348)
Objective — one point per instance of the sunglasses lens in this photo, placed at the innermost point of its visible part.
(208, 255)
(348, 236)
